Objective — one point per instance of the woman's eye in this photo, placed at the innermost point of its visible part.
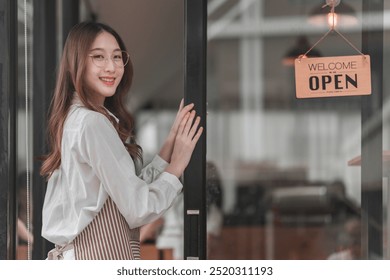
(117, 57)
(98, 57)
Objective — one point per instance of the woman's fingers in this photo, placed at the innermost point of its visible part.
(184, 109)
(197, 135)
(183, 124)
(189, 128)
(189, 123)
(180, 115)
(181, 104)
(194, 128)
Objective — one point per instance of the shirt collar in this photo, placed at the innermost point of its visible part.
(77, 101)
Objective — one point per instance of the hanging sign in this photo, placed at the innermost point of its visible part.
(333, 76)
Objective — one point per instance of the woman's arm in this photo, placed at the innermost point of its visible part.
(139, 202)
(150, 172)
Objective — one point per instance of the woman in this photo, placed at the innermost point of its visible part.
(95, 202)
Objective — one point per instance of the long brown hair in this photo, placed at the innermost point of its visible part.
(70, 79)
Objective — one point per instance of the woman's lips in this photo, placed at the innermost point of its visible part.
(108, 80)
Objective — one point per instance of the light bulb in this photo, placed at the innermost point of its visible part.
(332, 19)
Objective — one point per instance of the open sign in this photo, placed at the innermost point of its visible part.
(333, 76)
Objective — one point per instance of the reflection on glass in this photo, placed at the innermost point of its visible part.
(24, 217)
(386, 144)
(288, 190)
(23, 230)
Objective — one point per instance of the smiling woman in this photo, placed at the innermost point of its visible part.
(95, 200)
(104, 74)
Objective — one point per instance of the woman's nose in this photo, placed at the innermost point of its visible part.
(110, 65)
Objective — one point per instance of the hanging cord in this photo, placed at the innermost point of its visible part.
(27, 133)
(322, 38)
(352, 45)
(332, 29)
(333, 15)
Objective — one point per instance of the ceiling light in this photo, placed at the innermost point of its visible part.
(343, 15)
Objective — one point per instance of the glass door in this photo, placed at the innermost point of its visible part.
(386, 140)
(287, 174)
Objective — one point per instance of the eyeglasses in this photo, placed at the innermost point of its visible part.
(120, 59)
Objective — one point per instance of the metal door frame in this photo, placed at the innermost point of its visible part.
(8, 126)
(195, 91)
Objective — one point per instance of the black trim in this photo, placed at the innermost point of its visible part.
(8, 94)
(44, 66)
(44, 72)
(372, 135)
(195, 91)
(70, 16)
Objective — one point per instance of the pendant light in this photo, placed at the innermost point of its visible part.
(343, 14)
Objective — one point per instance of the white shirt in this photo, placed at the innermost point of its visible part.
(94, 165)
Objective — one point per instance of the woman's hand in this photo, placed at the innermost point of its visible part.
(167, 148)
(187, 135)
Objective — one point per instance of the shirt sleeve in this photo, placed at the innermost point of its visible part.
(151, 172)
(140, 202)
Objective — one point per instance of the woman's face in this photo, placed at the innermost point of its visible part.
(103, 75)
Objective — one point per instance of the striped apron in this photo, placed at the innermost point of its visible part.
(107, 237)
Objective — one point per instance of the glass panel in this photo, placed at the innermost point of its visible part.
(386, 138)
(288, 172)
(24, 220)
